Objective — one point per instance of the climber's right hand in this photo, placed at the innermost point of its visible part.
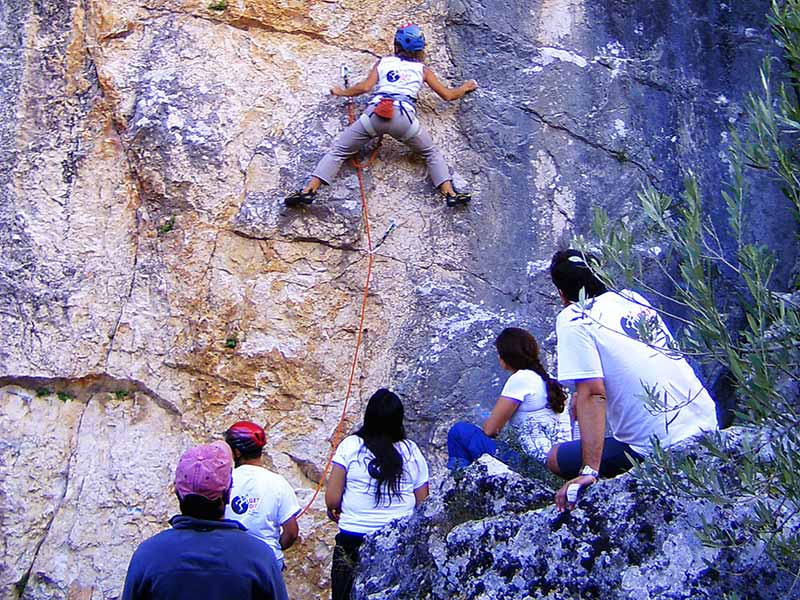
(337, 91)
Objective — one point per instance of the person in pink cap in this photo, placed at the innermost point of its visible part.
(203, 556)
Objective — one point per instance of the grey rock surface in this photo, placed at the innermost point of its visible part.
(497, 535)
(581, 105)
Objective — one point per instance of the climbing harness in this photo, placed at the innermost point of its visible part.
(359, 167)
(383, 105)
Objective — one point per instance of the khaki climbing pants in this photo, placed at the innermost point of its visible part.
(356, 135)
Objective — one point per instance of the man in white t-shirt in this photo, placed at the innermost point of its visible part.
(617, 352)
(261, 500)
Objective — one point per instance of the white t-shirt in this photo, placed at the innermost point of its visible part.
(262, 501)
(622, 339)
(359, 513)
(399, 77)
(537, 426)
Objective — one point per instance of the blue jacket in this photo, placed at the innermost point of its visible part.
(203, 560)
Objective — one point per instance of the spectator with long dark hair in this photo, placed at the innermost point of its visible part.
(531, 402)
(377, 475)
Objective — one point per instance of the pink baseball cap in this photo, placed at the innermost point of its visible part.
(204, 471)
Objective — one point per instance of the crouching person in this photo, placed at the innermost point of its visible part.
(203, 556)
(532, 403)
(616, 351)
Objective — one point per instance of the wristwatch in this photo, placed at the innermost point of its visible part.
(587, 470)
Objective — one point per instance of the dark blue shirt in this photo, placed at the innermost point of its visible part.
(203, 560)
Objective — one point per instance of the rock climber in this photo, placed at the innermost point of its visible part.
(616, 351)
(261, 500)
(392, 111)
(203, 556)
(377, 475)
(531, 402)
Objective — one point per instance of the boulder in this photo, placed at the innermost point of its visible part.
(495, 534)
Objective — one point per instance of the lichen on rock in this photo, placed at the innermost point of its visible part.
(498, 535)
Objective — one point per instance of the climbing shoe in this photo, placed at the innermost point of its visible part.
(457, 198)
(300, 197)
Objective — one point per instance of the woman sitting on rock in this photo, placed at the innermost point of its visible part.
(531, 402)
(392, 111)
(377, 475)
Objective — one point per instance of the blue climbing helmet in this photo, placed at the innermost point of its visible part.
(410, 38)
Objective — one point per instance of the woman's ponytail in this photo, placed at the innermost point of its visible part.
(556, 396)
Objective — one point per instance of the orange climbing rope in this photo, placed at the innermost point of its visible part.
(337, 433)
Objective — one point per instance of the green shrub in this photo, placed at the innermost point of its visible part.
(167, 225)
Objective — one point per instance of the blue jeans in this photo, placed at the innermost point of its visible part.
(613, 462)
(467, 442)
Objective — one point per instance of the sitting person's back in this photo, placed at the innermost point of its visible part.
(532, 404)
(621, 336)
(617, 352)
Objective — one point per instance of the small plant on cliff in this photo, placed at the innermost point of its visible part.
(65, 396)
(752, 333)
(167, 225)
(43, 391)
(121, 394)
(231, 342)
(219, 5)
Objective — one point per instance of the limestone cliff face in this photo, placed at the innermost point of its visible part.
(153, 288)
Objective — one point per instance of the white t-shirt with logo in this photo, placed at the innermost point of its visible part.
(359, 513)
(537, 426)
(262, 501)
(399, 77)
(622, 339)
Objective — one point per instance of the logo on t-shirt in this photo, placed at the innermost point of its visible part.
(239, 505)
(646, 327)
(374, 469)
(392, 76)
